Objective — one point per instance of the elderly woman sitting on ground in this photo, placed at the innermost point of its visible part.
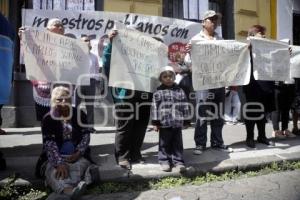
(66, 144)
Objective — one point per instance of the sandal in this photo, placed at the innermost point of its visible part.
(288, 133)
(278, 134)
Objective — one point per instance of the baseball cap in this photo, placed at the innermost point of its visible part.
(211, 13)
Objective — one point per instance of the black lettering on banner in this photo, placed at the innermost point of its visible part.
(91, 24)
(71, 23)
(65, 21)
(165, 30)
(148, 27)
(179, 32)
(99, 24)
(157, 29)
(140, 26)
(38, 21)
(126, 22)
(109, 25)
(78, 21)
(84, 21)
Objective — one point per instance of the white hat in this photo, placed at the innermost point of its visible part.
(211, 13)
(53, 22)
(165, 69)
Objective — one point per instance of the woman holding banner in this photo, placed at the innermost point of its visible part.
(260, 95)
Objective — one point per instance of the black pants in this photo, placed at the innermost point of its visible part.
(131, 128)
(216, 125)
(87, 93)
(283, 96)
(170, 148)
(255, 115)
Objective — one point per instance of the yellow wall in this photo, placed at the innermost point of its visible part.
(248, 13)
(147, 7)
(4, 7)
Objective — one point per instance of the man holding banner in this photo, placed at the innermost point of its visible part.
(132, 113)
(208, 100)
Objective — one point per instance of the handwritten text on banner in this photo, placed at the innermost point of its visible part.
(271, 59)
(136, 61)
(220, 63)
(52, 57)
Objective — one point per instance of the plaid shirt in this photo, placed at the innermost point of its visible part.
(169, 107)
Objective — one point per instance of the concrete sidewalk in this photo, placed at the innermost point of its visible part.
(21, 148)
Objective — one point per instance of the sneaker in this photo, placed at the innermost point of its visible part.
(79, 190)
(289, 134)
(222, 147)
(199, 150)
(165, 167)
(180, 168)
(263, 141)
(125, 164)
(250, 143)
(278, 134)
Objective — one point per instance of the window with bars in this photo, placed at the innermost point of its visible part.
(194, 9)
(65, 4)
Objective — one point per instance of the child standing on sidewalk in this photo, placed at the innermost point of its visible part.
(169, 112)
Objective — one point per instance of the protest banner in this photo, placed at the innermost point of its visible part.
(136, 61)
(220, 63)
(52, 57)
(295, 62)
(271, 59)
(97, 24)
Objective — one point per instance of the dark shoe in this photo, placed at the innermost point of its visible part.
(222, 147)
(250, 143)
(125, 164)
(2, 132)
(199, 150)
(263, 141)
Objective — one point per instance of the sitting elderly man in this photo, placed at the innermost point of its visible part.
(66, 145)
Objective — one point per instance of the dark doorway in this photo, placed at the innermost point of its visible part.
(296, 29)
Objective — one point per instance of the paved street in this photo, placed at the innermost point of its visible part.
(277, 186)
(22, 147)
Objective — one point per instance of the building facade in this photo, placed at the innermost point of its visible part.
(280, 17)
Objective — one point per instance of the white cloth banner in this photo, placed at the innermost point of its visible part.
(220, 63)
(98, 23)
(136, 61)
(295, 62)
(52, 57)
(271, 59)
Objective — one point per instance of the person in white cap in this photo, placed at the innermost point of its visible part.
(170, 111)
(210, 22)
